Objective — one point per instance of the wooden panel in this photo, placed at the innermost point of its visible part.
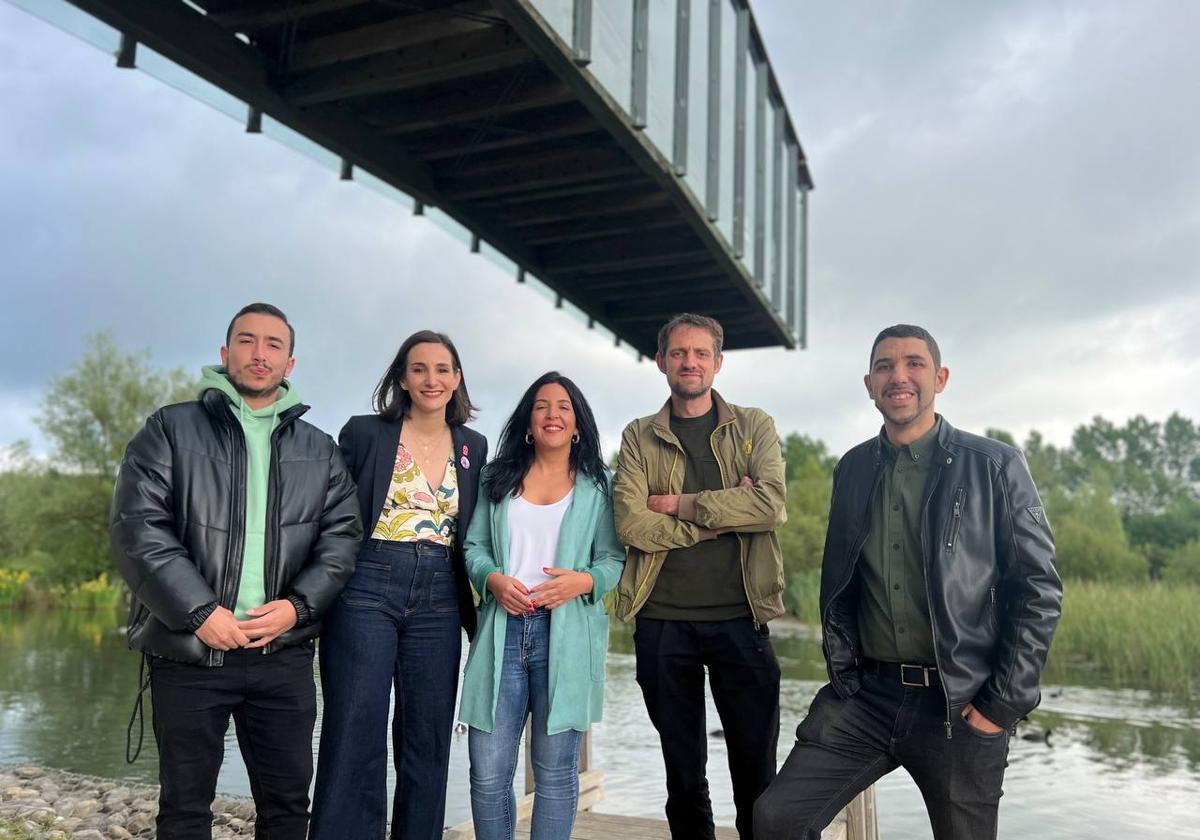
(395, 34)
(430, 63)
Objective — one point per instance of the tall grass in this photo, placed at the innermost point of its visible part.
(1138, 634)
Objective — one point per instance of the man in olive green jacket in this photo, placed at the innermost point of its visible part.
(698, 494)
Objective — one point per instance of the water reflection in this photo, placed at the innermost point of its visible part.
(1118, 762)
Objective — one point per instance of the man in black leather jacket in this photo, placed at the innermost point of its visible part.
(939, 599)
(235, 524)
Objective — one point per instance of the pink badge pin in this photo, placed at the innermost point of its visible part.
(466, 465)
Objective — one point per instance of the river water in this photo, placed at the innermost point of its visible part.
(1120, 762)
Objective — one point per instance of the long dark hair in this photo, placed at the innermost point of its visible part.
(393, 402)
(505, 473)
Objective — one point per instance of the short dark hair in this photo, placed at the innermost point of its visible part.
(263, 309)
(393, 402)
(689, 319)
(907, 331)
(505, 473)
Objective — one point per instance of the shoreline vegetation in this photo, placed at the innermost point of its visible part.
(1135, 635)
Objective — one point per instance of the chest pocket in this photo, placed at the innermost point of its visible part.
(954, 519)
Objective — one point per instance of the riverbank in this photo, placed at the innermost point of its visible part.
(37, 803)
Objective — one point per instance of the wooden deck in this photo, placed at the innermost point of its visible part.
(593, 826)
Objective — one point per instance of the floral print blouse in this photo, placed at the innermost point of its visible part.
(413, 510)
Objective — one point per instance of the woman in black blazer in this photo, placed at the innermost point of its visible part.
(397, 621)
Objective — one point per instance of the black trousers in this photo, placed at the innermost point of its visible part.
(844, 746)
(273, 702)
(744, 675)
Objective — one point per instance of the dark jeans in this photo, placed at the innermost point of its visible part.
(396, 624)
(844, 746)
(743, 672)
(273, 702)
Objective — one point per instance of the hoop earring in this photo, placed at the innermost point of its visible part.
(528, 439)
(575, 438)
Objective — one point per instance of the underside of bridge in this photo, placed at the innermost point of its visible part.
(601, 152)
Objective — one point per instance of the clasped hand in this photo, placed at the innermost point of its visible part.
(223, 631)
(516, 599)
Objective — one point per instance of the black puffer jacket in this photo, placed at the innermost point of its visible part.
(178, 523)
(994, 595)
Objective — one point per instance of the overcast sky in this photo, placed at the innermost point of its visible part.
(1021, 178)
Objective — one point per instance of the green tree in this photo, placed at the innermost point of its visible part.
(1090, 541)
(92, 412)
(1183, 564)
(54, 515)
(809, 470)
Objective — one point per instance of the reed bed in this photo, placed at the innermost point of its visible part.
(1144, 635)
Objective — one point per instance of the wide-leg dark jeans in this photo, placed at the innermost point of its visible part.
(844, 746)
(272, 699)
(396, 625)
(744, 675)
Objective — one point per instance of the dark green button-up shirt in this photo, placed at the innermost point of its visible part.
(893, 610)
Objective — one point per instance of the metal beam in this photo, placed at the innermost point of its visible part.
(638, 102)
(802, 316)
(712, 187)
(581, 36)
(789, 278)
(683, 34)
(760, 170)
(127, 52)
(777, 178)
(741, 50)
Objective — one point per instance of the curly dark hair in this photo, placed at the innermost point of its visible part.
(504, 474)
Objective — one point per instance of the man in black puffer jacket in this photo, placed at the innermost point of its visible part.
(939, 599)
(235, 524)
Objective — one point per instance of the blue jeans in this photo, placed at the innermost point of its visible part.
(524, 690)
(396, 623)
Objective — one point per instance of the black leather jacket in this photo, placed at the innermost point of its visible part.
(178, 523)
(994, 595)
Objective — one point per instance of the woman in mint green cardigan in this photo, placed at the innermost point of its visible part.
(542, 551)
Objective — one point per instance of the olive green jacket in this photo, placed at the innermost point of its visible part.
(652, 462)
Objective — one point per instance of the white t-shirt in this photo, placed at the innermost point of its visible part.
(533, 538)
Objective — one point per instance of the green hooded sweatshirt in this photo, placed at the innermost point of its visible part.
(257, 427)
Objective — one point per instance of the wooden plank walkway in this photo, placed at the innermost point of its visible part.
(592, 826)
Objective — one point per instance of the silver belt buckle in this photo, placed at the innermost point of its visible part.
(924, 678)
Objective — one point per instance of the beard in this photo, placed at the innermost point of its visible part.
(245, 390)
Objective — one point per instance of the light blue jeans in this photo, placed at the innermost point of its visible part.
(524, 690)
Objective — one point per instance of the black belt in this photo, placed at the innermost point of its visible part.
(911, 676)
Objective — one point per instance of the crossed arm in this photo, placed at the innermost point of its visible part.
(660, 522)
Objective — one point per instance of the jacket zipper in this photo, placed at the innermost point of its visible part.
(271, 542)
(237, 531)
(928, 593)
(741, 544)
(956, 518)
